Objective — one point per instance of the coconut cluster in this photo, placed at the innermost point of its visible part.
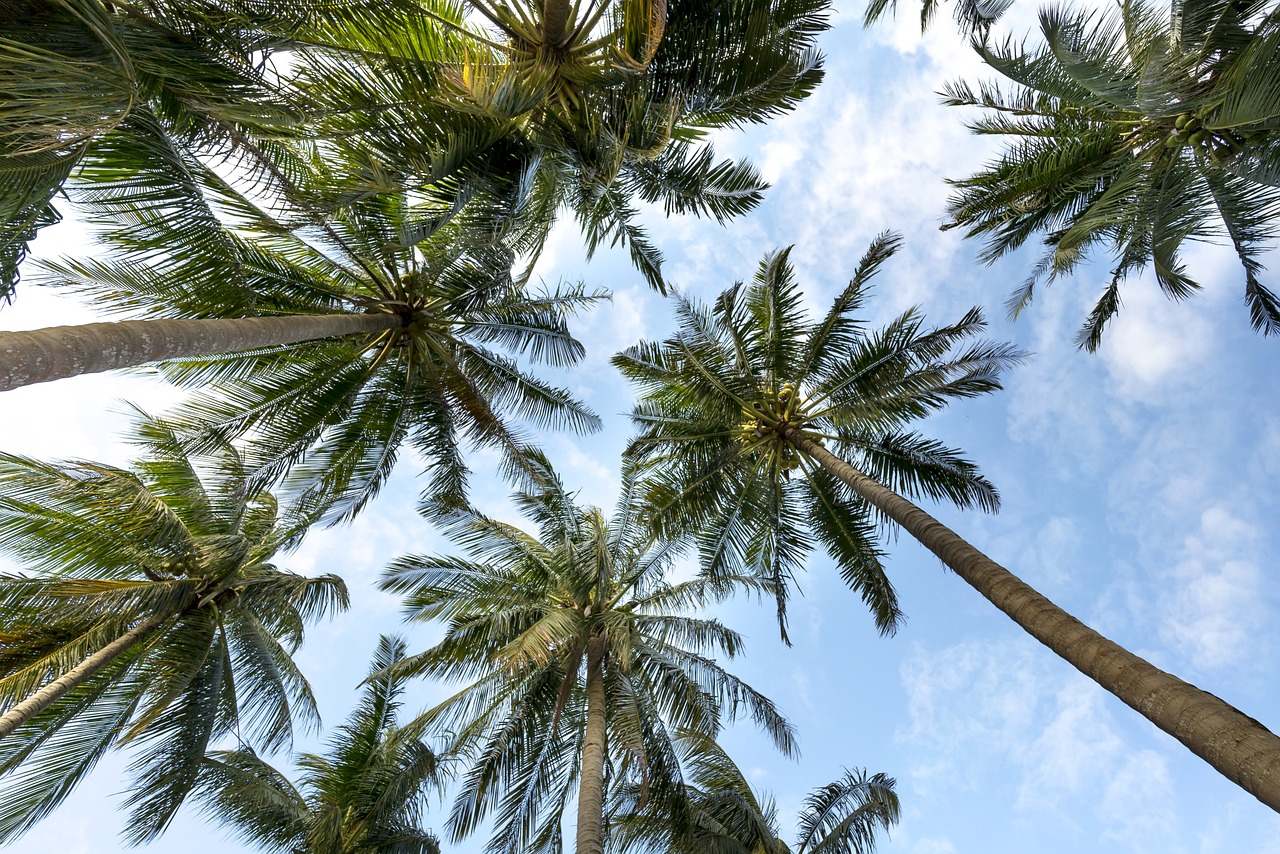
(1220, 146)
(186, 563)
(759, 427)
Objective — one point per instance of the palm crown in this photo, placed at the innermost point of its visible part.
(1136, 131)
(523, 619)
(724, 402)
(429, 377)
(749, 392)
(585, 106)
(364, 796)
(181, 549)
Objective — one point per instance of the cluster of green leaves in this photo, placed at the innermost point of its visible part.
(522, 618)
(725, 815)
(345, 405)
(531, 112)
(181, 545)
(1099, 158)
(365, 795)
(89, 84)
(713, 397)
(512, 123)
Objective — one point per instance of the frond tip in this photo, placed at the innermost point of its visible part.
(734, 408)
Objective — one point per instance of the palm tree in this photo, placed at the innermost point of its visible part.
(537, 106)
(751, 391)
(580, 657)
(726, 816)
(1135, 131)
(365, 796)
(422, 371)
(101, 85)
(157, 621)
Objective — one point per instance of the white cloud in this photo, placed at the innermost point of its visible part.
(997, 685)
(1266, 457)
(1215, 613)
(984, 715)
(1157, 347)
(1056, 402)
(933, 845)
(1135, 805)
(596, 481)
(1072, 752)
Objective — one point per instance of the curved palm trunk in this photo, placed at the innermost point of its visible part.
(1239, 747)
(591, 785)
(76, 676)
(67, 351)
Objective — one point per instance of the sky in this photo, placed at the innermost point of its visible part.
(1137, 488)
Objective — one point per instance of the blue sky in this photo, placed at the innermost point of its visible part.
(1137, 484)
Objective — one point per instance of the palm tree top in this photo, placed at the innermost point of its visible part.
(109, 86)
(528, 613)
(181, 547)
(365, 795)
(529, 108)
(1134, 129)
(723, 402)
(726, 815)
(442, 371)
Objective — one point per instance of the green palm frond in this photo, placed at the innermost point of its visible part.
(335, 414)
(973, 17)
(179, 545)
(366, 793)
(98, 92)
(842, 817)
(523, 613)
(549, 107)
(716, 398)
(716, 810)
(1131, 132)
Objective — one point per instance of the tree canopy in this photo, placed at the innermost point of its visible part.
(183, 545)
(1134, 131)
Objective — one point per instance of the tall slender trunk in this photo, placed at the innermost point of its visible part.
(591, 784)
(555, 16)
(1239, 747)
(76, 676)
(67, 351)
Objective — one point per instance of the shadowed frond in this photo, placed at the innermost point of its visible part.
(156, 624)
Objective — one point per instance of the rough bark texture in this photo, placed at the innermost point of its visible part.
(591, 785)
(51, 693)
(555, 15)
(67, 351)
(1239, 747)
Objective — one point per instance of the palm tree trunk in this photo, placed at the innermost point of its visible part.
(555, 15)
(76, 676)
(1239, 747)
(591, 785)
(67, 351)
